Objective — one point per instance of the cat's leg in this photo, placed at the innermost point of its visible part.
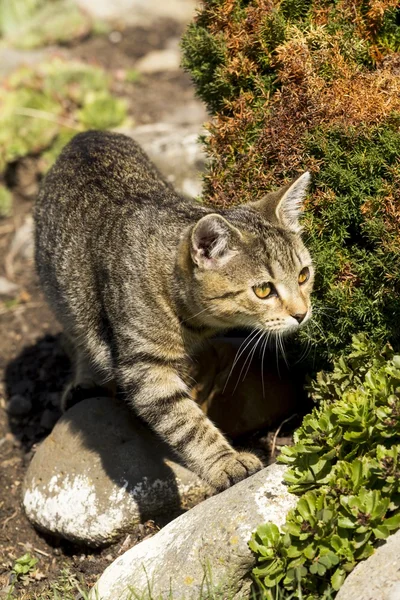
(87, 380)
(159, 395)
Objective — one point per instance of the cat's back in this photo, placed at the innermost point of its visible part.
(99, 165)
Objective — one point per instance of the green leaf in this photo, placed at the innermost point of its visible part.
(338, 578)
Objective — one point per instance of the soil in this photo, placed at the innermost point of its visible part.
(33, 363)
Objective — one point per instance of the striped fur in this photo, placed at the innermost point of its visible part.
(139, 277)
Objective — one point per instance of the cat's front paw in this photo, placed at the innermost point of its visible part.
(233, 468)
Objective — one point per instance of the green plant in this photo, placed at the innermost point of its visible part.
(34, 23)
(295, 85)
(48, 104)
(44, 106)
(24, 564)
(345, 462)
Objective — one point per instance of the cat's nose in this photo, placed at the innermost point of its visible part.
(299, 317)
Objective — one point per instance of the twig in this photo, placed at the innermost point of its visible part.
(35, 549)
(42, 114)
(10, 518)
(277, 433)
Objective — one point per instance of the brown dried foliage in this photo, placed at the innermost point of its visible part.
(267, 133)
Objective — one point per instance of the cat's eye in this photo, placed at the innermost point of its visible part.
(304, 275)
(263, 291)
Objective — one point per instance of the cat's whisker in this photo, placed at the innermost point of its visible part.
(322, 311)
(252, 354)
(239, 353)
(249, 357)
(305, 352)
(281, 345)
(208, 308)
(264, 347)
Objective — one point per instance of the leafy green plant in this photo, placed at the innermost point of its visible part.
(24, 564)
(345, 462)
(30, 24)
(44, 106)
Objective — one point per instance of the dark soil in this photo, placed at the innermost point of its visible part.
(33, 363)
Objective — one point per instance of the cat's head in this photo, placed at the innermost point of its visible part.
(249, 265)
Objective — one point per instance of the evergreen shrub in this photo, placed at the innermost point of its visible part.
(295, 85)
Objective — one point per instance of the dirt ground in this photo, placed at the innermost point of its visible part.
(32, 361)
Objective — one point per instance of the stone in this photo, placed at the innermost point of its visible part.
(21, 246)
(156, 61)
(207, 544)
(19, 406)
(378, 577)
(175, 150)
(139, 12)
(101, 471)
(11, 59)
(8, 288)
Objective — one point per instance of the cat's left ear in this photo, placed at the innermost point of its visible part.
(283, 207)
(213, 241)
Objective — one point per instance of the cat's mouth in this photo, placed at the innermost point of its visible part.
(290, 324)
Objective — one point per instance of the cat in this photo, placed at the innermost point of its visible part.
(139, 276)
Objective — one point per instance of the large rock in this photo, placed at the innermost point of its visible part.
(208, 546)
(378, 577)
(100, 472)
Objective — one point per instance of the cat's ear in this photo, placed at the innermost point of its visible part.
(213, 241)
(284, 206)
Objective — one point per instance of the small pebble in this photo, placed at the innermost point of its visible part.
(8, 288)
(19, 405)
(115, 37)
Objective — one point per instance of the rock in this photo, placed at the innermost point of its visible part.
(11, 59)
(378, 577)
(175, 150)
(100, 472)
(159, 60)
(8, 288)
(139, 12)
(207, 543)
(19, 406)
(192, 113)
(21, 247)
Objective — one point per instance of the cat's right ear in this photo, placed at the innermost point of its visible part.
(213, 242)
(284, 207)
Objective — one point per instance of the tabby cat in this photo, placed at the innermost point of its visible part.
(139, 277)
